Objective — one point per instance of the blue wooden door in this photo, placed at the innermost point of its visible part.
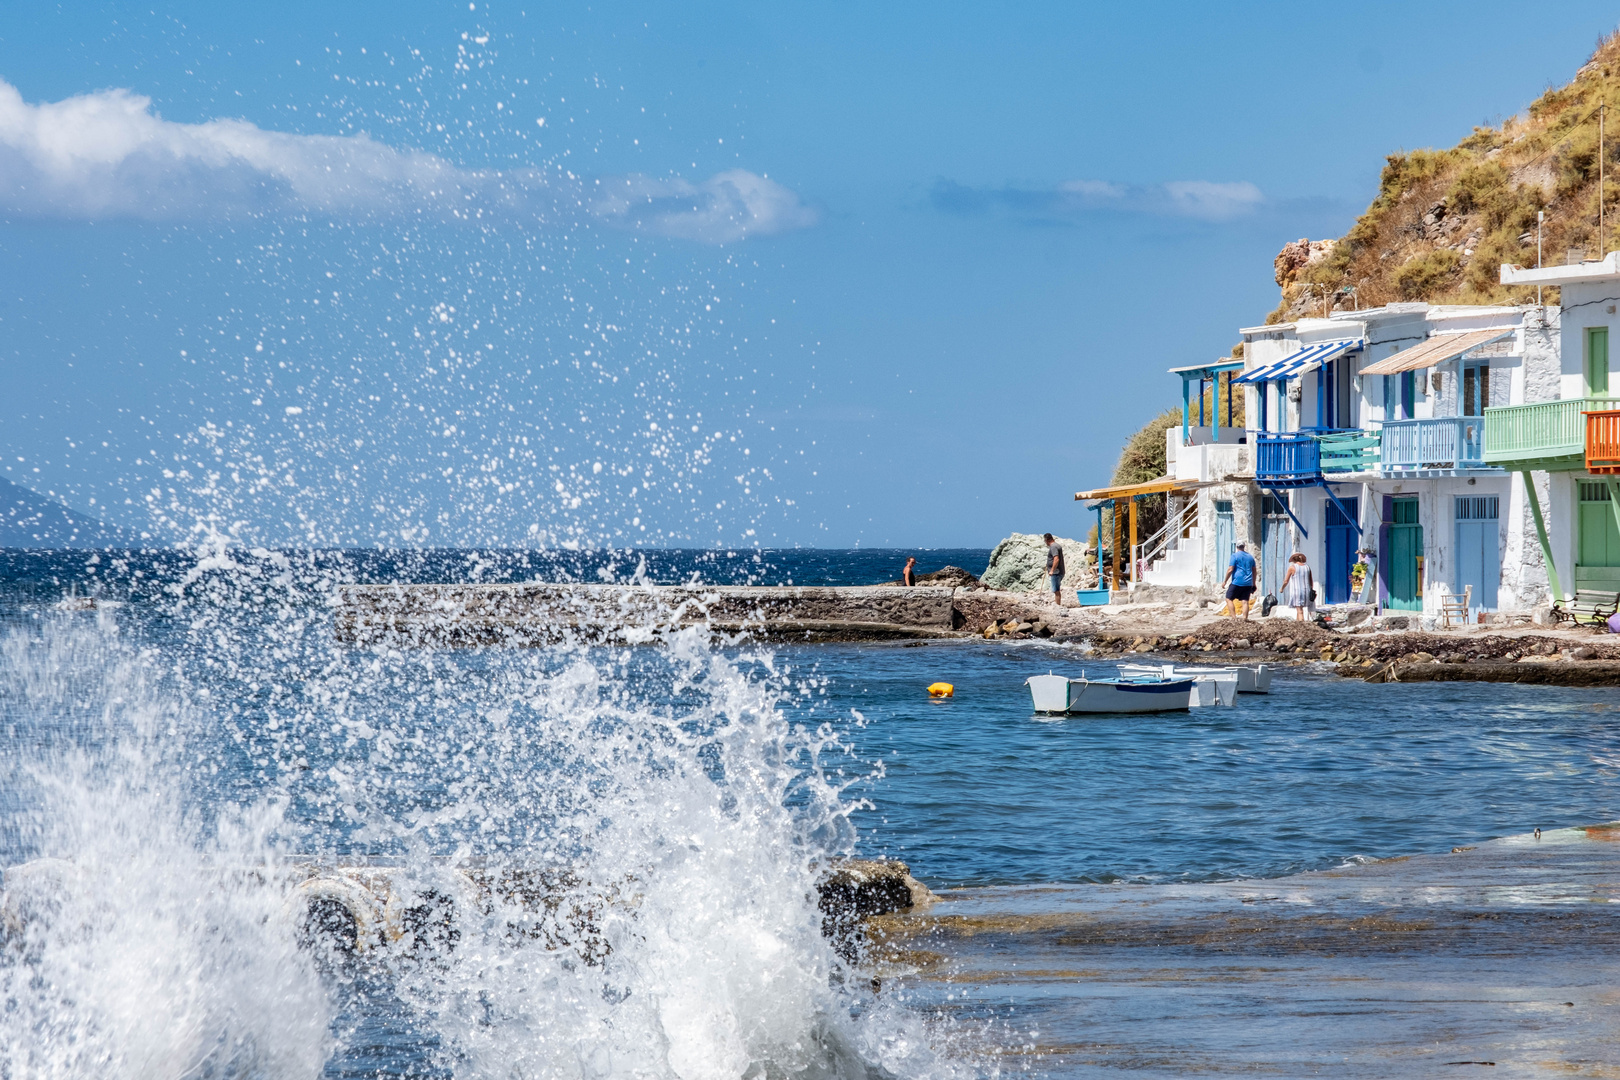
(1338, 551)
(1223, 538)
(1479, 551)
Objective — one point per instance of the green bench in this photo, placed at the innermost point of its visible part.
(1589, 606)
(1597, 595)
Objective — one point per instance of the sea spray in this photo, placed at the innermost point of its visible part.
(193, 753)
(138, 941)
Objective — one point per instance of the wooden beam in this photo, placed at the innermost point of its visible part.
(1114, 547)
(1134, 568)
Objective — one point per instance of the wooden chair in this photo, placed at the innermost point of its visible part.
(1456, 607)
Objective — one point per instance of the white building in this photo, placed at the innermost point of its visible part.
(1365, 432)
(1563, 432)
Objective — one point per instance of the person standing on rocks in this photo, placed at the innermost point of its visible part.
(909, 574)
(1240, 580)
(1054, 567)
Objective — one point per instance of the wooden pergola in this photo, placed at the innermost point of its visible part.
(1130, 493)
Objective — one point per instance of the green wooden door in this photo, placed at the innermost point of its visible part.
(1597, 361)
(1600, 539)
(1597, 563)
(1405, 551)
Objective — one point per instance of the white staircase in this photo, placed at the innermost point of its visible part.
(1172, 556)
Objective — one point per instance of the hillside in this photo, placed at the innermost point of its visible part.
(1444, 221)
(31, 520)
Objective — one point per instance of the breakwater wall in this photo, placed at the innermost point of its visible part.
(543, 613)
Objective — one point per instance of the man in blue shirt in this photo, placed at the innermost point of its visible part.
(1240, 580)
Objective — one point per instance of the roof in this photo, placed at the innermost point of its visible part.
(1130, 491)
(1225, 363)
(1436, 350)
(1604, 268)
(1298, 363)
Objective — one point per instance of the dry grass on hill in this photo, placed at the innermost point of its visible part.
(1444, 221)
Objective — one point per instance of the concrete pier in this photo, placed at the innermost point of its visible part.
(1497, 957)
(541, 614)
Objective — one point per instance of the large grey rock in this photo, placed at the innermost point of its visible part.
(1018, 564)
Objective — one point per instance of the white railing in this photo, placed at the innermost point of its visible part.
(1168, 538)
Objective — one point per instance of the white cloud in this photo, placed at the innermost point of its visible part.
(727, 206)
(108, 155)
(1071, 199)
(1215, 201)
(1093, 189)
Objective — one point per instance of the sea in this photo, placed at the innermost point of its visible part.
(183, 731)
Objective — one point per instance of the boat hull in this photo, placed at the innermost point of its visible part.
(1058, 694)
(1251, 679)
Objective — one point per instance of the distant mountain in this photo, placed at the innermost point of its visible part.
(31, 520)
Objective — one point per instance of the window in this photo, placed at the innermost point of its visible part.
(1597, 361)
(1406, 405)
(1476, 389)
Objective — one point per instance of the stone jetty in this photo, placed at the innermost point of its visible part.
(1494, 957)
(541, 614)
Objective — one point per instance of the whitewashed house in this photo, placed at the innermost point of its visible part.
(1365, 432)
(1561, 434)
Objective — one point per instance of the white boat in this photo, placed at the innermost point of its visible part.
(1061, 694)
(1251, 678)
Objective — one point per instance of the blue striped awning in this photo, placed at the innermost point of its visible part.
(1296, 364)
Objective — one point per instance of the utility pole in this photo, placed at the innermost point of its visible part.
(1601, 107)
(1541, 216)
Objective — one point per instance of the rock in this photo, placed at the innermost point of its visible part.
(1582, 652)
(1018, 564)
(1242, 643)
(951, 576)
(1284, 644)
(855, 889)
(1298, 255)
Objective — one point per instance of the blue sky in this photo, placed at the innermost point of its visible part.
(899, 275)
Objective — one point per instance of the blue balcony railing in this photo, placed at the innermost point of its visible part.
(1444, 442)
(1287, 459)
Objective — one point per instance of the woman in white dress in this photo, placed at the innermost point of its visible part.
(1297, 585)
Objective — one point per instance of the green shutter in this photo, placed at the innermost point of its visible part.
(1597, 361)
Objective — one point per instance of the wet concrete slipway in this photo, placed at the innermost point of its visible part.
(1496, 959)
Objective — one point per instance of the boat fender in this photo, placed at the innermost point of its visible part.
(941, 690)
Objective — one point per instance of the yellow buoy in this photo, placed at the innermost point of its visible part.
(941, 689)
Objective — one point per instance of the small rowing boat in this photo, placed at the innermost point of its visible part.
(1251, 678)
(1061, 694)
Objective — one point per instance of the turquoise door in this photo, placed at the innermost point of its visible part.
(1405, 557)
(1274, 545)
(1223, 538)
(1479, 550)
